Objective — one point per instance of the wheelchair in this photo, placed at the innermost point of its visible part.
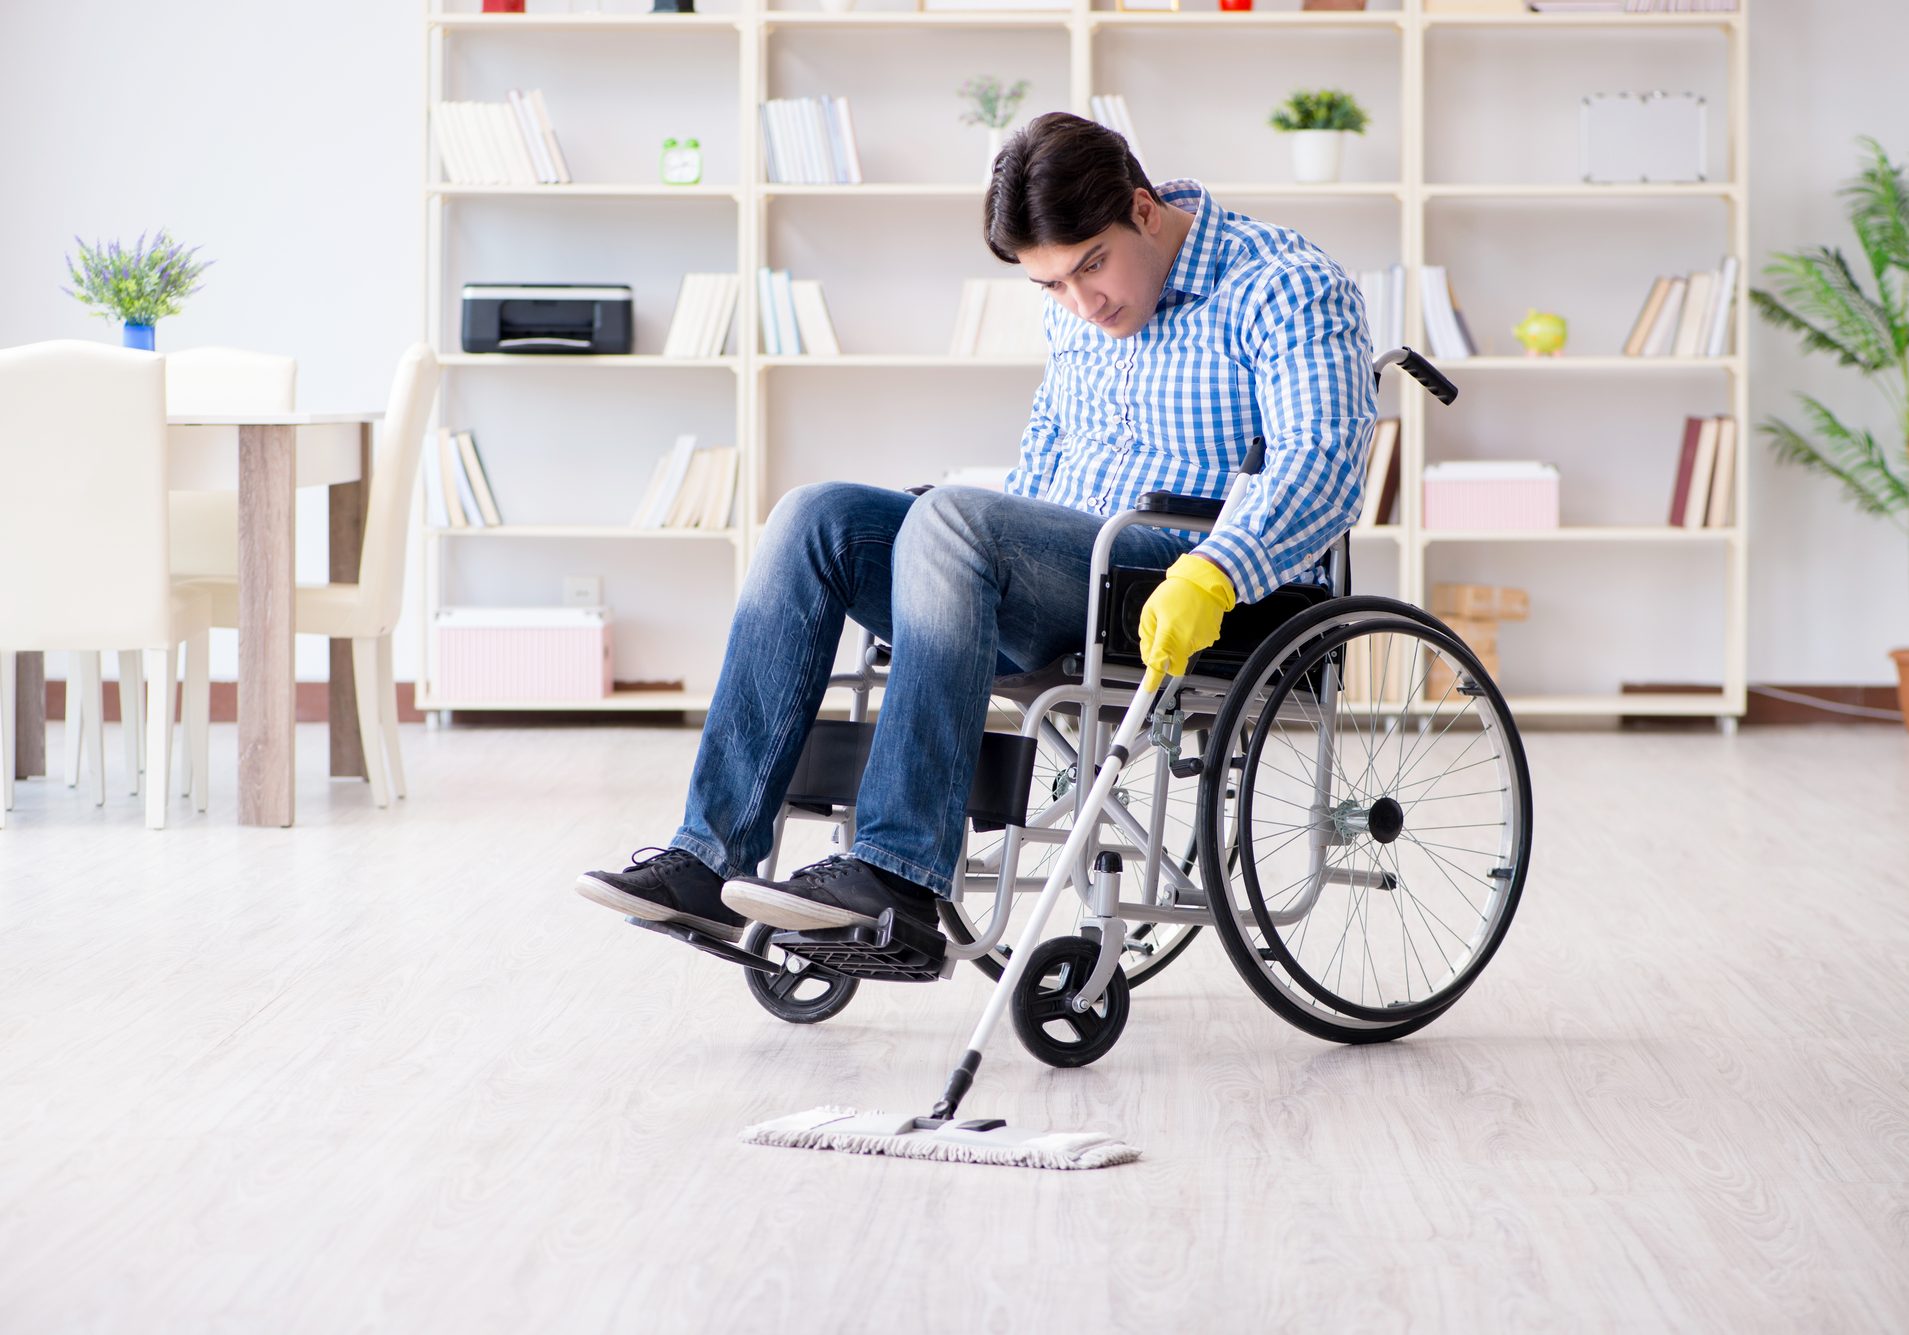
(1335, 786)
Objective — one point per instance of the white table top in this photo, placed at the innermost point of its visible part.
(270, 419)
(203, 448)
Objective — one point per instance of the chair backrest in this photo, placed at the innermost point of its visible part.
(394, 472)
(205, 524)
(83, 525)
(230, 380)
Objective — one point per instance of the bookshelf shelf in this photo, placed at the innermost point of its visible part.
(802, 52)
(633, 701)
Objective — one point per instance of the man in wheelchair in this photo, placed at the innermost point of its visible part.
(1178, 334)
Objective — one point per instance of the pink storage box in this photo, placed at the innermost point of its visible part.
(1491, 494)
(523, 653)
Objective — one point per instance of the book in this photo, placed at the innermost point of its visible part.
(812, 318)
(1690, 325)
(1698, 499)
(450, 473)
(1381, 475)
(846, 126)
(1686, 458)
(1441, 324)
(533, 138)
(1723, 479)
(1647, 317)
(786, 331)
(1717, 330)
(666, 479)
(474, 474)
(1665, 328)
(1466, 341)
(766, 313)
(541, 115)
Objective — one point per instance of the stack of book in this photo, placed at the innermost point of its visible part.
(1706, 474)
(1384, 293)
(1381, 476)
(795, 318)
(456, 492)
(1445, 326)
(999, 317)
(499, 143)
(705, 309)
(690, 488)
(1110, 110)
(1687, 315)
(810, 141)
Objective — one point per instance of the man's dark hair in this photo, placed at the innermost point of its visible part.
(1058, 181)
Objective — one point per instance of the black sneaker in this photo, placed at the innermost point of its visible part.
(835, 892)
(673, 886)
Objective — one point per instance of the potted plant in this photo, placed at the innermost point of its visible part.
(137, 287)
(1319, 122)
(1819, 298)
(993, 104)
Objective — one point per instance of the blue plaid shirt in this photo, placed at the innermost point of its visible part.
(1257, 333)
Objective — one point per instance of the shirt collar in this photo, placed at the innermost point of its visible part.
(1196, 269)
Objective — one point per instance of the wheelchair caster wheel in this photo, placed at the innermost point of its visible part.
(801, 993)
(1043, 1004)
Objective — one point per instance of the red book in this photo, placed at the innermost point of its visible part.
(1686, 460)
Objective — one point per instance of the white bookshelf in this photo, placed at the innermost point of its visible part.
(783, 408)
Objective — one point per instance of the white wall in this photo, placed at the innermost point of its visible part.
(287, 140)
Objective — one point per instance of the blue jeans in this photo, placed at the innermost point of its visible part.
(964, 583)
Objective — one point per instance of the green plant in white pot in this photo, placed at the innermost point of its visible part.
(1818, 297)
(991, 103)
(1318, 121)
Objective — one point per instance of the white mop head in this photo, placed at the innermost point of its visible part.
(855, 1132)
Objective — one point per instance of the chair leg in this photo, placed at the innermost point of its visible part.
(130, 721)
(198, 716)
(94, 708)
(388, 715)
(7, 740)
(364, 674)
(76, 720)
(162, 666)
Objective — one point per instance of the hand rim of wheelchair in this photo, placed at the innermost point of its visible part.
(1274, 669)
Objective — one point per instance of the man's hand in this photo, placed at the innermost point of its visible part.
(1182, 616)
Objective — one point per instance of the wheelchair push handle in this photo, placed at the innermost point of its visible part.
(1421, 370)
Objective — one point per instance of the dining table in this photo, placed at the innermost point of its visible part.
(265, 458)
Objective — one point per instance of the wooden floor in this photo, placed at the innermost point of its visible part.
(386, 1072)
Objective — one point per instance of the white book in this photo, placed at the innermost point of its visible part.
(450, 168)
(526, 162)
(716, 515)
(1717, 330)
(766, 313)
(1690, 325)
(1664, 331)
(789, 130)
(722, 314)
(786, 332)
(772, 169)
(449, 470)
(651, 490)
(812, 318)
(474, 475)
(838, 146)
(708, 313)
(847, 125)
(1723, 477)
(1440, 324)
(533, 138)
(679, 340)
(672, 482)
(466, 492)
(541, 115)
(683, 502)
(818, 120)
(497, 132)
(476, 144)
(1698, 502)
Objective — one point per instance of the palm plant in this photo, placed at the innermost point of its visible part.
(1821, 299)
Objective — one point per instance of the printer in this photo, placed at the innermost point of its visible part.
(547, 317)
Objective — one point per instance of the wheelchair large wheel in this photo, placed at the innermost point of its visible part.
(1368, 825)
(1150, 946)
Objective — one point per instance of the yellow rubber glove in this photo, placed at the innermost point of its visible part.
(1182, 616)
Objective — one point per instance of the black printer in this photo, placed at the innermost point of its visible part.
(547, 317)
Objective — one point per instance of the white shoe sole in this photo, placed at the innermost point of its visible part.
(633, 906)
(791, 913)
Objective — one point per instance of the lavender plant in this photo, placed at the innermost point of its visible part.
(139, 286)
(994, 103)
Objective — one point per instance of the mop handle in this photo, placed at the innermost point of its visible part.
(1085, 821)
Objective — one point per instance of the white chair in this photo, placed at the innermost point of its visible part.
(366, 612)
(205, 532)
(83, 452)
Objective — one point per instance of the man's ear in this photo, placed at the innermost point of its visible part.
(1146, 214)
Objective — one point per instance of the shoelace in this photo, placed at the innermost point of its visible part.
(831, 868)
(637, 860)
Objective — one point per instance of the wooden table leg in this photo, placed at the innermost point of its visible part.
(267, 685)
(349, 501)
(29, 716)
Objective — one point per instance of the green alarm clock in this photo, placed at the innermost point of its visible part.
(682, 163)
(1542, 334)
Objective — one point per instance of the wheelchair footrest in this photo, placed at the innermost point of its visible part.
(709, 945)
(893, 950)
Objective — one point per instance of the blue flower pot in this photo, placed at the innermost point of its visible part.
(137, 336)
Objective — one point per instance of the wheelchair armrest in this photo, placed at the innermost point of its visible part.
(1173, 503)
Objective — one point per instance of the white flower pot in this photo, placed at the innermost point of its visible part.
(1316, 154)
(996, 140)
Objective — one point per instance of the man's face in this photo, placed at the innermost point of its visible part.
(1113, 279)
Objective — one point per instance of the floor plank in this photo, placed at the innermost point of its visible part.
(384, 1070)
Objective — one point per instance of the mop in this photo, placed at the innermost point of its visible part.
(983, 1140)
